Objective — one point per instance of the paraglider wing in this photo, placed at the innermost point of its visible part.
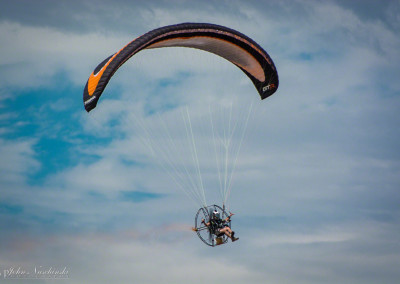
(225, 42)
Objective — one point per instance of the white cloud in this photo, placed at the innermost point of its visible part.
(17, 161)
(32, 56)
(173, 254)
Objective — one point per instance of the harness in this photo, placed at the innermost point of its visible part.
(216, 225)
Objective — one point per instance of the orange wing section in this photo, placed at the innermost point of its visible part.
(94, 78)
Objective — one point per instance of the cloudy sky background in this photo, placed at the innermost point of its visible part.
(316, 191)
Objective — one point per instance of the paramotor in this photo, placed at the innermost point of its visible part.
(206, 233)
(229, 44)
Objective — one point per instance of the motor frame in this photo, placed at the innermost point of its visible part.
(206, 234)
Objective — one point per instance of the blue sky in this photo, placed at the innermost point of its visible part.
(316, 191)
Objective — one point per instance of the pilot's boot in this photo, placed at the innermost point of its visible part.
(233, 236)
